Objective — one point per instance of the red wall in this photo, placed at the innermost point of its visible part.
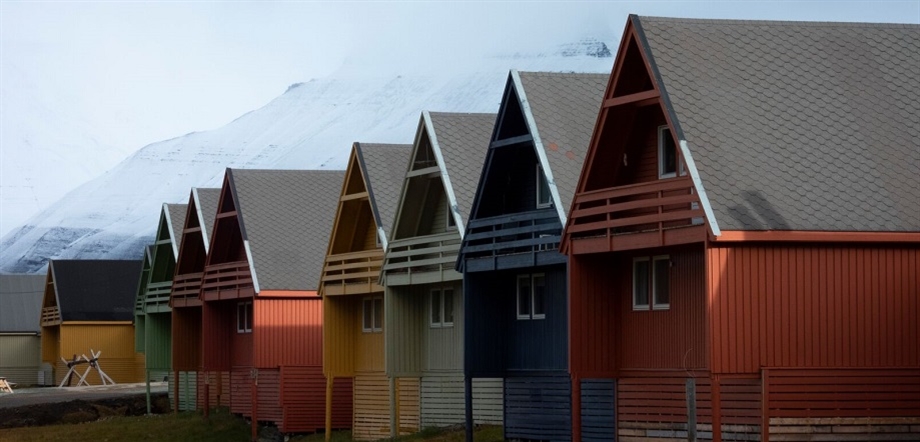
(592, 313)
(218, 319)
(814, 305)
(186, 338)
(288, 332)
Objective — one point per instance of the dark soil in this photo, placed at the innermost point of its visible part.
(79, 411)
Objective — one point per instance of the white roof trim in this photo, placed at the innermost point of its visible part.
(172, 234)
(383, 238)
(698, 184)
(252, 266)
(445, 178)
(538, 144)
(204, 234)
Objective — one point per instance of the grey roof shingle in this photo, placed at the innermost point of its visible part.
(287, 216)
(463, 139)
(384, 166)
(21, 302)
(564, 107)
(176, 218)
(208, 199)
(796, 125)
(95, 290)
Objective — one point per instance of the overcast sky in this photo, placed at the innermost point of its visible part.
(145, 71)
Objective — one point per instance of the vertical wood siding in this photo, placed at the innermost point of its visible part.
(218, 385)
(158, 341)
(598, 401)
(303, 400)
(51, 344)
(593, 309)
(20, 358)
(443, 345)
(485, 337)
(368, 351)
(340, 326)
(539, 344)
(403, 328)
(814, 306)
(116, 341)
(186, 338)
(672, 338)
(538, 407)
(187, 389)
(287, 332)
(121, 370)
(218, 321)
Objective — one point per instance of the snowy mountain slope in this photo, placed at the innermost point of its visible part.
(310, 126)
(43, 150)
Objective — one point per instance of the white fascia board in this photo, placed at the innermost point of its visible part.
(204, 234)
(538, 145)
(383, 238)
(252, 266)
(445, 178)
(172, 234)
(700, 191)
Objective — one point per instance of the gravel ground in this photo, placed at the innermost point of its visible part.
(45, 395)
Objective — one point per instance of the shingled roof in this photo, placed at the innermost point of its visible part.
(462, 140)
(95, 290)
(206, 201)
(795, 125)
(21, 301)
(385, 167)
(286, 215)
(564, 107)
(175, 216)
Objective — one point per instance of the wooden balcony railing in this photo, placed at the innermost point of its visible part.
(157, 296)
(228, 276)
(352, 273)
(185, 289)
(51, 316)
(434, 255)
(650, 207)
(518, 233)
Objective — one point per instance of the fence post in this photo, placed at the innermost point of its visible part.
(691, 410)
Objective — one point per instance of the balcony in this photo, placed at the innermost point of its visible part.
(352, 273)
(227, 281)
(513, 240)
(652, 214)
(185, 290)
(422, 259)
(51, 316)
(157, 297)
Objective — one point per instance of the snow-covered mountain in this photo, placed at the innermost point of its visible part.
(311, 126)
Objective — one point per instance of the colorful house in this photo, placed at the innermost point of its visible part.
(186, 391)
(514, 278)
(261, 313)
(88, 306)
(20, 330)
(353, 347)
(423, 303)
(744, 244)
(152, 314)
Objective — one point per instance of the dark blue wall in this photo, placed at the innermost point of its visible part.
(597, 410)
(538, 408)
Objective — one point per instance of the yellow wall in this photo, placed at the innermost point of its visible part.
(339, 329)
(114, 340)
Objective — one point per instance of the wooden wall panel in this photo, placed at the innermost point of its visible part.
(20, 358)
(115, 340)
(218, 324)
(443, 348)
(371, 406)
(485, 339)
(592, 313)
(368, 351)
(158, 341)
(340, 327)
(488, 401)
(187, 390)
(51, 344)
(598, 401)
(409, 415)
(814, 306)
(537, 344)
(269, 397)
(443, 403)
(287, 332)
(405, 318)
(217, 384)
(240, 392)
(303, 400)
(538, 407)
(186, 338)
(672, 338)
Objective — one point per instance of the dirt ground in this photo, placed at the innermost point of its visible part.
(48, 406)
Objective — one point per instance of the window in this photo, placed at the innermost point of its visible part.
(442, 308)
(531, 296)
(450, 219)
(652, 283)
(543, 195)
(244, 317)
(667, 153)
(372, 314)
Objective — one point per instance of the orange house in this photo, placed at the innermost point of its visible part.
(261, 314)
(744, 242)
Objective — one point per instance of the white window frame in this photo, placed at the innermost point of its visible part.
(677, 162)
(370, 301)
(541, 178)
(650, 283)
(442, 321)
(247, 309)
(530, 277)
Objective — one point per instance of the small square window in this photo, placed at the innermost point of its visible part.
(442, 308)
(372, 314)
(543, 193)
(667, 153)
(652, 283)
(531, 296)
(244, 317)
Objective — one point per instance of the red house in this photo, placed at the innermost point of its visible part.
(744, 242)
(261, 314)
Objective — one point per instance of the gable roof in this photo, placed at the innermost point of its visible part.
(95, 290)
(794, 125)
(384, 166)
(21, 298)
(560, 110)
(175, 217)
(206, 201)
(285, 220)
(459, 142)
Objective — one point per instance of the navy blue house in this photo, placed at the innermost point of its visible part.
(514, 278)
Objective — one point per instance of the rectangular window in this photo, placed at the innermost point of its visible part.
(442, 308)
(450, 219)
(667, 153)
(652, 283)
(372, 314)
(244, 317)
(543, 194)
(531, 296)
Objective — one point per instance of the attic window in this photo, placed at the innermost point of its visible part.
(543, 194)
(667, 153)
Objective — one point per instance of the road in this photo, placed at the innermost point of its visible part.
(44, 395)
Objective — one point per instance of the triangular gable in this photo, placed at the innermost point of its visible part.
(384, 167)
(193, 245)
(228, 238)
(355, 219)
(51, 310)
(144, 280)
(175, 217)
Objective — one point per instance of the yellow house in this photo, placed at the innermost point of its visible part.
(89, 306)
